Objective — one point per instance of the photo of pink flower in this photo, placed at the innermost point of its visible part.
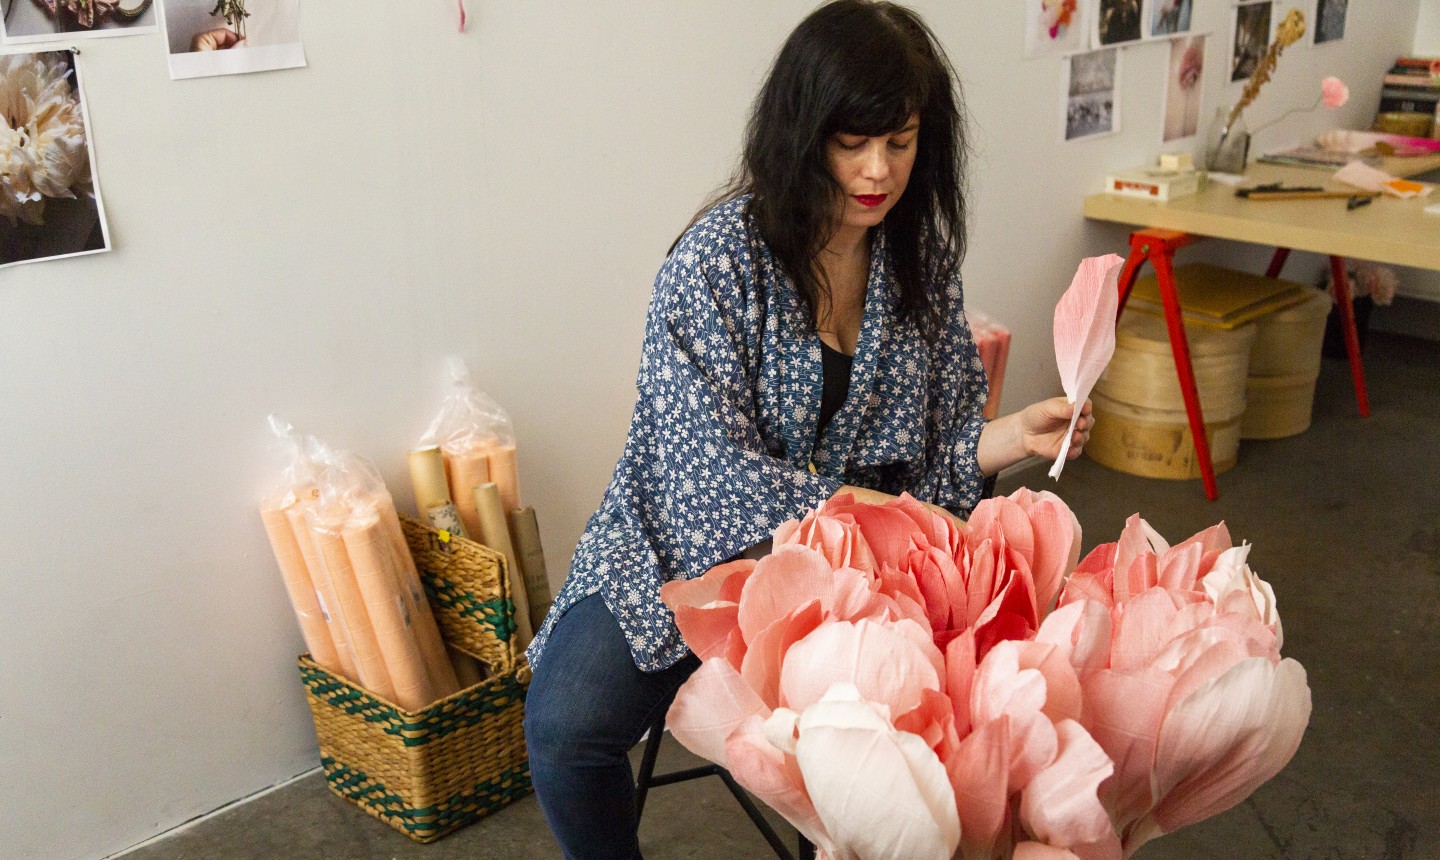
(1184, 87)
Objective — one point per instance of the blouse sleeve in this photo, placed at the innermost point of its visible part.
(960, 374)
(713, 488)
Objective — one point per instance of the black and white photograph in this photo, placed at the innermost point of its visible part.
(49, 197)
(1252, 35)
(232, 37)
(1091, 109)
(47, 20)
(1169, 17)
(1330, 20)
(1117, 21)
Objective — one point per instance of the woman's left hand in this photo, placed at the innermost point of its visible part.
(1043, 426)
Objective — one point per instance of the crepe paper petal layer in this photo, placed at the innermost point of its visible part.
(898, 686)
(1085, 334)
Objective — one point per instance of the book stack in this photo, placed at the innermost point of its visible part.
(1410, 97)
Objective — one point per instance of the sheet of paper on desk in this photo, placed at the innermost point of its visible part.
(1368, 178)
(1433, 209)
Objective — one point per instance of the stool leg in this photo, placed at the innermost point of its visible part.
(1277, 262)
(807, 849)
(1352, 338)
(1180, 346)
(647, 763)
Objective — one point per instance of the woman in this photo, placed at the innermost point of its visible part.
(805, 339)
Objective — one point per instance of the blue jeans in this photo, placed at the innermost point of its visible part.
(588, 705)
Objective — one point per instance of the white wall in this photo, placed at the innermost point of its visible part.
(1427, 30)
(316, 242)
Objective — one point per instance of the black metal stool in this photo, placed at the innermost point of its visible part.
(647, 779)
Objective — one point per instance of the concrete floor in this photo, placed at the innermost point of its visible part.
(1345, 526)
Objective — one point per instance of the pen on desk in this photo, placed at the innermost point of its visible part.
(1357, 201)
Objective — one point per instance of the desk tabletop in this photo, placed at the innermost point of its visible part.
(1388, 230)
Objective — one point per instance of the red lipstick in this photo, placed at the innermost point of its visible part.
(870, 201)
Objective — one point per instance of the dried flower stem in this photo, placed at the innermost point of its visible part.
(233, 11)
(1286, 34)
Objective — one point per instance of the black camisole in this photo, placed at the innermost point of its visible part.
(835, 384)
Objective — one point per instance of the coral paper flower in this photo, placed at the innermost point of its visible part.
(1334, 92)
(898, 687)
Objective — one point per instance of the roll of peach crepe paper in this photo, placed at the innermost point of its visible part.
(432, 490)
(525, 531)
(327, 532)
(495, 533)
(506, 475)
(432, 645)
(465, 470)
(391, 612)
(338, 634)
(309, 611)
(992, 341)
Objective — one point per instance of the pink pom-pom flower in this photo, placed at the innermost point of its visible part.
(1334, 92)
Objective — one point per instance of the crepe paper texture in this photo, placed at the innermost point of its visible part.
(350, 576)
(896, 685)
(1085, 335)
(993, 342)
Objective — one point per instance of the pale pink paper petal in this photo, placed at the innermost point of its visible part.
(1227, 738)
(710, 705)
(838, 538)
(1085, 333)
(774, 777)
(1123, 713)
(766, 652)
(940, 532)
(706, 588)
(889, 532)
(1142, 629)
(1010, 518)
(1180, 566)
(1081, 630)
(880, 793)
(1002, 688)
(979, 772)
(881, 660)
(1060, 806)
(1093, 578)
(787, 578)
(1040, 851)
(933, 720)
(1107, 848)
(1057, 549)
(1062, 684)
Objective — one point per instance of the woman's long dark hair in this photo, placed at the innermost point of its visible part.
(859, 67)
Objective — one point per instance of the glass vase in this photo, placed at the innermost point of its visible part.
(1226, 150)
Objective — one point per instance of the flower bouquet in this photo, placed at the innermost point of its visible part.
(900, 687)
(1228, 145)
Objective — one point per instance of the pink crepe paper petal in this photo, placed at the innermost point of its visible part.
(706, 588)
(880, 793)
(767, 650)
(1179, 567)
(1334, 92)
(1142, 629)
(774, 777)
(1093, 578)
(933, 720)
(1041, 851)
(979, 774)
(1082, 630)
(1062, 684)
(939, 531)
(1002, 688)
(707, 629)
(889, 532)
(1085, 334)
(838, 538)
(959, 674)
(1227, 738)
(1060, 806)
(709, 706)
(1057, 546)
(1123, 713)
(787, 578)
(1010, 615)
(1012, 520)
(883, 661)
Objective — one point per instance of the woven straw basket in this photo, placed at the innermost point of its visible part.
(428, 772)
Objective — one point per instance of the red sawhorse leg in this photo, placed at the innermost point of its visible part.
(1158, 248)
(1347, 321)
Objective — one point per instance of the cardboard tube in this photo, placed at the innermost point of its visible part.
(432, 490)
(330, 546)
(367, 544)
(314, 627)
(467, 470)
(506, 476)
(323, 592)
(495, 533)
(467, 669)
(432, 644)
(525, 532)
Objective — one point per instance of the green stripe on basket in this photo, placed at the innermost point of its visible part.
(497, 615)
(460, 808)
(500, 694)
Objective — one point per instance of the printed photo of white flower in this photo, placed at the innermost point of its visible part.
(49, 203)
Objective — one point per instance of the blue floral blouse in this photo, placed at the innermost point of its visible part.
(723, 434)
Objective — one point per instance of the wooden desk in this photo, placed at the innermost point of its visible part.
(1388, 230)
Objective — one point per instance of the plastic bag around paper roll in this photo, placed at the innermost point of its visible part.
(326, 529)
(304, 598)
(390, 609)
(468, 418)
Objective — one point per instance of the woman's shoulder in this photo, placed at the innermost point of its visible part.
(725, 228)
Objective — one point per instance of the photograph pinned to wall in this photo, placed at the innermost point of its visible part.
(1251, 37)
(231, 37)
(1091, 84)
(1330, 20)
(1169, 17)
(1184, 87)
(1117, 22)
(27, 21)
(49, 195)
(1054, 27)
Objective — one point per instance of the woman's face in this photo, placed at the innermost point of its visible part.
(872, 171)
